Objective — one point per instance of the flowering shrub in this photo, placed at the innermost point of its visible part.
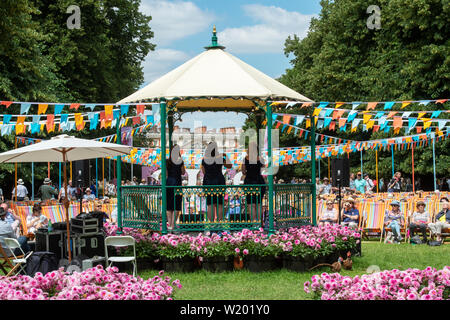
(92, 284)
(296, 242)
(411, 284)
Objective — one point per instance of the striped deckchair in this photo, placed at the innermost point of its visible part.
(22, 212)
(373, 215)
(404, 208)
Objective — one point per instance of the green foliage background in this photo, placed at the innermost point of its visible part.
(341, 59)
(41, 59)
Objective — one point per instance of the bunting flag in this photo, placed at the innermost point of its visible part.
(24, 107)
(42, 108)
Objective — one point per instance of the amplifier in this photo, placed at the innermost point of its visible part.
(88, 245)
(50, 241)
(84, 226)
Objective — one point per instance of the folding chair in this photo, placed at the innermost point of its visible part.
(18, 261)
(121, 241)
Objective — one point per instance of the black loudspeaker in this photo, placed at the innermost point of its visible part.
(340, 169)
(80, 173)
(50, 241)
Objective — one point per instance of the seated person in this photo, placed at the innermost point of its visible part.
(350, 215)
(6, 231)
(88, 195)
(99, 214)
(420, 220)
(36, 220)
(394, 220)
(442, 220)
(12, 218)
(329, 214)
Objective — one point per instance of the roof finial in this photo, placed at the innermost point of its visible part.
(214, 44)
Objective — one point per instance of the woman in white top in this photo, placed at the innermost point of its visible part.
(329, 214)
(420, 220)
(36, 220)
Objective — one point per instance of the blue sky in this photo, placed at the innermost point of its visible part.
(253, 31)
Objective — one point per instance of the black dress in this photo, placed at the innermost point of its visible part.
(173, 179)
(253, 176)
(213, 177)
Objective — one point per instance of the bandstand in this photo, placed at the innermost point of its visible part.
(217, 81)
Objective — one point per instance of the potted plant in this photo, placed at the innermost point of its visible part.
(261, 255)
(217, 256)
(176, 257)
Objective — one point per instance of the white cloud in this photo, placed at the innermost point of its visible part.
(273, 26)
(159, 62)
(173, 20)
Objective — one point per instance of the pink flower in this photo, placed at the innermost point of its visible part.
(245, 252)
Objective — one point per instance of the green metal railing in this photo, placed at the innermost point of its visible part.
(142, 207)
(292, 205)
(216, 208)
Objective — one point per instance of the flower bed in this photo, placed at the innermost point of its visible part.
(92, 284)
(411, 284)
(308, 245)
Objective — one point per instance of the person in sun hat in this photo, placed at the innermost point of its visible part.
(22, 191)
(349, 214)
(394, 220)
(88, 195)
(46, 191)
(420, 220)
(442, 220)
(329, 214)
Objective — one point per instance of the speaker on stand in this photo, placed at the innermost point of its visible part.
(80, 176)
(341, 178)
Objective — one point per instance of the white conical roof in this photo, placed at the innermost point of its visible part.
(215, 78)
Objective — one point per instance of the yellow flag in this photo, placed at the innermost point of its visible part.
(316, 112)
(426, 122)
(338, 104)
(42, 108)
(308, 123)
(421, 114)
(366, 118)
(370, 124)
(405, 103)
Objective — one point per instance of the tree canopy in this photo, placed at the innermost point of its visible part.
(341, 59)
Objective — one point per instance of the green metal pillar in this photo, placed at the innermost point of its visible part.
(163, 166)
(119, 181)
(313, 169)
(170, 124)
(270, 172)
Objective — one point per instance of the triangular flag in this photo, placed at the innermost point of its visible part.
(74, 106)
(299, 120)
(140, 109)
(441, 101)
(124, 109)
(42, 108)
(388, 105)
(109, 112)
(405, 103)
(59, 108)
(50, 122)
(371, 105)
(355, 105)
(411, 123)
(366, 118)
(24, 107)
(398, 122)
(338, 104)
(424, 102)
(90, 106)
(406, 114)
(421, 114)
(6, 103)
(391, 114)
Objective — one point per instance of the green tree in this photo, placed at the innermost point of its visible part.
(341, 59)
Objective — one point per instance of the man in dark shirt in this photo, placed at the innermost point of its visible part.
(46, 191)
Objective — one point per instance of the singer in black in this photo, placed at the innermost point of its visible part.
(212, 175)
(174, 170)
(251, 170)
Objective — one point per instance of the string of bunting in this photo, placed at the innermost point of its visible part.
(387, 105)
(337, 121)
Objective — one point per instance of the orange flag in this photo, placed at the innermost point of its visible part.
(338, 104)
(50, 122)
(42, 108)
(286, 119)
(398, 122)
(391, 114)
(74, 106)
(371, 105)
(108, 112)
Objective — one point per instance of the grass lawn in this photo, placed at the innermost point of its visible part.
(287, 285)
